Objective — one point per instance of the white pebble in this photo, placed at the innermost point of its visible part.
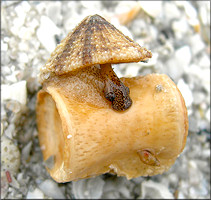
(151, 62)
(12, 78)
(35, 194)
(195, 175)
(198, 97)
(23, 57)
(24, 33)
(91, 6)
(40, 7)
(132, 70)
(150, 189)
(51, 189)
(91, 188)
(22, 8)
(10, 156)
(173, 178)
(4, 46)
(196, 43)
(190, 10)
(206, 153)
(46, 33)
(207, 115)
(79, 187)
(204, 11)
(14, 182)
(194, 70)
(115, 21)
(186, 92)
(33, 24)
(10, 131)
(23, 46)
(180, 27)
(2, 128)
(95, 187)
(16, 91)
(183, 56)
(171, 11)
(152, 8)
(17, 24)
(204, 61)
(110, 191)
(177, 64)
(193, 124)
(173, 70)
(53, 11)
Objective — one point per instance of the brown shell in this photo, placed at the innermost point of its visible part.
(94, 41)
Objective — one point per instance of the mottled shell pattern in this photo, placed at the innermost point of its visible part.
(93, 41)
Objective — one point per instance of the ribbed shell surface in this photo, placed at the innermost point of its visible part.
(93, 41)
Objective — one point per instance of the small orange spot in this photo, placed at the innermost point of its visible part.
(9, 179)
(146, 154)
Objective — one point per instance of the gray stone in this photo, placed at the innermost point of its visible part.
(95, 187)
(193, 124)
(195, 175)
(88, 188)
(198, 97)
(175, 66)
(51, 189)
(35, 194)
(197, 45)
(25, 153)
(150, 189)
(53, 11)
(10, 131)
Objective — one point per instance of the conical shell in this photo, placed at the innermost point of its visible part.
(94, 41)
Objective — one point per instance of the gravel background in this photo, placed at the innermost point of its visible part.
(177, 33)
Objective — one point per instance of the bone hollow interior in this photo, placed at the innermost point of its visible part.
(86, 137)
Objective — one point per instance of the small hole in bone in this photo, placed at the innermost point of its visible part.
(147, 157)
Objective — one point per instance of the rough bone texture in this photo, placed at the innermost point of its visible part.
(94, 41)
(87, 139)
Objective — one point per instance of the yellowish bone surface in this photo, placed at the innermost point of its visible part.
(86, 140)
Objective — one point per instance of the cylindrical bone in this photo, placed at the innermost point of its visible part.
(84, 140)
